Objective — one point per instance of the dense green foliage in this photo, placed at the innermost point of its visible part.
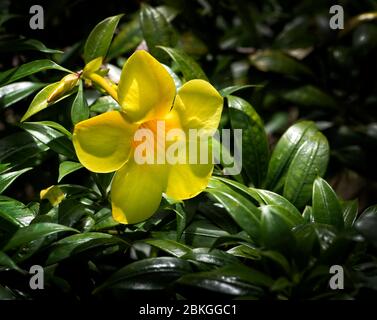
(305, 97)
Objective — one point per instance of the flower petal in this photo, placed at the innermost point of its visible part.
(136, 191)
(103, 143)
(199, 106)
(146, 90)
(185, 181)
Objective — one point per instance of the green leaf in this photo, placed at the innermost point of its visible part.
(67, 246)
(265, 197)
(99, 39)
(307, 214)
(6, 293)
(12, 93)
(27, 69)
(171, 247)
(104, 219)
(276, 232)
(68, 167)
(350, 210)
(127, 38)
(245, 251)
(24, 45)
(326, 206)
(6, 261)
(366, 224)
(272, 198)
(309, 96)
(40, 100)
(35, 231)
(151, 20)
(7, 178)
(230, 90)
(20, 147)
(277, 258)
(278, 62)
(212, 257)
(56, 126)
(15, 212)
(183, 217)
(149, 274)
(188, 66)
(79, 109)
(200, 233)
(309, 162)
(55, 140)
(255, 151)
(235, 280)
(244, 213)
(284, 152)
(104, 104)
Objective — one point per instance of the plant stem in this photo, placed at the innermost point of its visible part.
(104, 83)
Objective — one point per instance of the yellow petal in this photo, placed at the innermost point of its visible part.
(189, 178)
(136, 191)
(185, 181)
(103, 143)
(53, 194)
(199, 106)
(146, 90)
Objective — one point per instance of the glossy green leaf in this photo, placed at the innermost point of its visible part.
(245, 251)
(171, 247)
(350, 210)
(213, 257)
(127, 39)
(266, 197)
(230, 90)
(244, 213)
(272, 198)
(188, 66)
(20, 147)
(12, 93)
(200, 233)
(276, 232)
(15, 212)
(149, 274)
(28, 69)
(50, 137)
(366, 224)
(152, 19)
(284, 152)
(40, 100)
(35, 231)
(326, 206)
(79, 109)
(25, 45)
(66, 247)
(99, 39)
(104, 104)
(309, 96)
(6, 261)
(230, 280)
(278, 62)
(56, 126)
(68, 167)
(255, 151)
(309, 162)
(7, 178)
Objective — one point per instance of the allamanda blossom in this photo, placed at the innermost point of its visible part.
(106, 143)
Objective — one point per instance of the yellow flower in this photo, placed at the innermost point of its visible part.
(105, 143)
